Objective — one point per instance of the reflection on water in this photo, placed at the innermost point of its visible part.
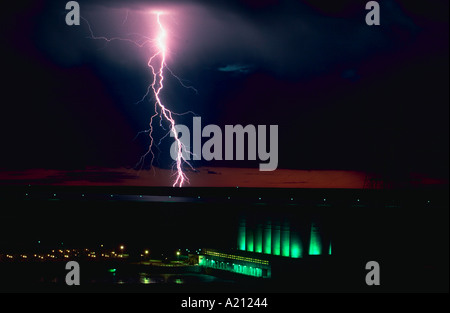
(144, 278)
(185, 278)
(119, 276)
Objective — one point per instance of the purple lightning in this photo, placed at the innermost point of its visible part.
(157, 64)
(157, 86)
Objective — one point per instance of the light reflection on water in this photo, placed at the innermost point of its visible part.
(186, 278)
(119, 278)
(149, 278)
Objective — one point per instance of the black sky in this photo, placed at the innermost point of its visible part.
(345, 95)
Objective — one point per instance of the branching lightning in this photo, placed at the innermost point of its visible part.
(157, 86)
(157, 65)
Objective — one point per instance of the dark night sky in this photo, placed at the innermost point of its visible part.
(345, 95)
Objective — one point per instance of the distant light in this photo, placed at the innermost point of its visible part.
(198, 197)
(39, 241)
(170, 197)
(82, 195)
(26, 194)
(54, 195)
(122, 247)
(140, 196)
(178, 253)
(146, 251)
(112, 196)
(237, 187)
(324, 200)
(228, 198)
(259, 198)
(112, 270)
(357, 200)
(292, 199)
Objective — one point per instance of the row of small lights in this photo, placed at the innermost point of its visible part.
(188, 251)
(92, 254)
(38, 256)
(237, 187)
(66, 253)
(199, 197)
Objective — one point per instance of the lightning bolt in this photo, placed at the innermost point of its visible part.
(157, 65)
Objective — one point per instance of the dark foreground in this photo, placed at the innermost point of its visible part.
(406, 232)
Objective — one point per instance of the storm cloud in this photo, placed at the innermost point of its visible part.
(284, 37)
(343, 93)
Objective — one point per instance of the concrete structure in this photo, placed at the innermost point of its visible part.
(236, 263)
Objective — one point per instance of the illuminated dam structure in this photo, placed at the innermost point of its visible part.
(263, 243)
(236, 263)
(280, 238)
